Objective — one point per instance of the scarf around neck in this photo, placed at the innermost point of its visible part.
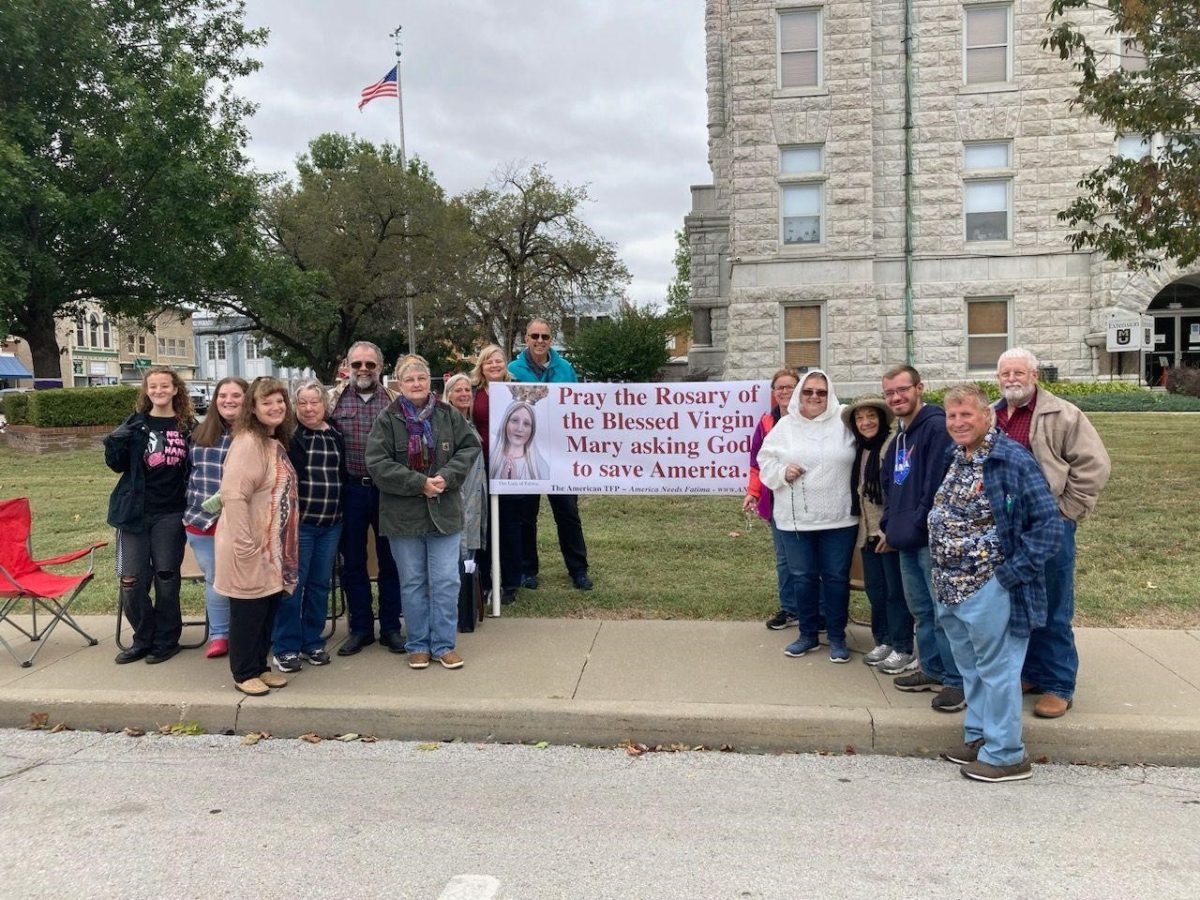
(420, 431)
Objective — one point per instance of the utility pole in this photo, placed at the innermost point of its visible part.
(412, 320)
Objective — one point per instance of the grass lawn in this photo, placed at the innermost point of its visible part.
(700, 558)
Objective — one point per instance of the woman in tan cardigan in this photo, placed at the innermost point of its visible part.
(256, 545)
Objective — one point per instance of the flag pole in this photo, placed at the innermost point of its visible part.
(410, 313)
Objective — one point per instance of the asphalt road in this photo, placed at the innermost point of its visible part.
(114, 816)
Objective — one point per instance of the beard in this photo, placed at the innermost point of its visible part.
(365, 382)
(1017, 395)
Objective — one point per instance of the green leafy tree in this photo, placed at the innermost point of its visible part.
(680, 288)
(122, 174)
(342, 250)
(1138, 211)
(631, 346)
(530, 253)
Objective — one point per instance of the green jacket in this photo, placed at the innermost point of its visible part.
(404, 511)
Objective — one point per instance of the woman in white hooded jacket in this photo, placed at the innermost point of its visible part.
(806, 461)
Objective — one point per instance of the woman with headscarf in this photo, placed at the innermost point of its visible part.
(807, 460)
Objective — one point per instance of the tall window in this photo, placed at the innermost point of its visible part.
(79, 330)
(129, 345)
(987, 42)
(211, 347)
(1133, 57)
(987, 191)
(220, 348)
(252, 349)
(799, 48)
(801, 193)
(162, 346)
(802, 333)
(989, 329)
(141, 344)
(93, 331)
(106, 334)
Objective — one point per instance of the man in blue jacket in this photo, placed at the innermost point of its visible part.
(541, 362)
(913, 468)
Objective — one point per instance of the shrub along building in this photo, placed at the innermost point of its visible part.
(834, 236)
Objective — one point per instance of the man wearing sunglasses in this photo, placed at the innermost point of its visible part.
(541, 362)
(913, 468)
(355, 405)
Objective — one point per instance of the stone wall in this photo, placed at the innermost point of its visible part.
(29, 439)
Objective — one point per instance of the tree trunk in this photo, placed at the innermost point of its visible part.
(35, 324)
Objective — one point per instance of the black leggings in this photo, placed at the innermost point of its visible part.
(250, 624)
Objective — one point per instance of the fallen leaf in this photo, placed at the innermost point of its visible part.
(37, 721)
(368, 739)
(348, 737)
(542, 745)
(727, 748)
(61, 726)
(75, 518)
(735, 534)
(427, 748)
(311, 738)
(252, 738)
(130, 731)
(850, 751)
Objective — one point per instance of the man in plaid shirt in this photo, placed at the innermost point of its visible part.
(356, 403)
(993, 526)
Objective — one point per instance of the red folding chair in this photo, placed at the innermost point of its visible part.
(24, 578)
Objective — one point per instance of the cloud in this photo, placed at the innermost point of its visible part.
(608, 94)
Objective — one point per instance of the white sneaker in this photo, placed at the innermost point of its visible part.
(878, 655)
(898, 663)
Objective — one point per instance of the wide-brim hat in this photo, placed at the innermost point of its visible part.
(875, 402)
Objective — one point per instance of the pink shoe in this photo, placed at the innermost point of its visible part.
(217, 647)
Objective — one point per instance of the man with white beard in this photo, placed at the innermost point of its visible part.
(1076, 465)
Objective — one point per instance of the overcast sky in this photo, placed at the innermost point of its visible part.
(606, 93)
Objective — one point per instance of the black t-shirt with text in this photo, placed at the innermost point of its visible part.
(165, 463)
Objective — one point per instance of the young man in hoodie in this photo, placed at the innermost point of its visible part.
(541, 362)
(913, 469)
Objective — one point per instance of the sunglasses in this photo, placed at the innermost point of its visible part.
(812, 392)
(537, 337)
(358, 364)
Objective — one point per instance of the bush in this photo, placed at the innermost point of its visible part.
(16, 408)
(1137, 401)
(71, 407)
(1184, 380)
(630, 347)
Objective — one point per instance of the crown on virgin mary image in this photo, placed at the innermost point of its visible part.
(529, 393)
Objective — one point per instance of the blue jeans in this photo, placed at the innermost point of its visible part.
(217, 604)
(789, 597)
(891, 622)
(428, 566)
(301, 616)
(937, 661)
(990, 658)
(1053, 662)
(819, 562)
(360, 512)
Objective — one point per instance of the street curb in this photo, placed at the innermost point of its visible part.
(750, 728)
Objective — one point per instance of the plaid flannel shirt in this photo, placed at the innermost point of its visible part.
(205, 480)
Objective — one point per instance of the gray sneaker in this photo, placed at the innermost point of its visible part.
(964, 753)
(950, 700)
(916, 682)
(898, 663)
(878, 655)
(981, 771)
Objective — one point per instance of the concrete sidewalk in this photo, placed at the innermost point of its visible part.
(603, 682)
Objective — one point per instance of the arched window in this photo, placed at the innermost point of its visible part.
(106, 334)
(79, 330)
(94, 330)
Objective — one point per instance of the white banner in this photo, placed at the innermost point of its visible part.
(684, 438)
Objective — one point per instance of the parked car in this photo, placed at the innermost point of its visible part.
(199, 403)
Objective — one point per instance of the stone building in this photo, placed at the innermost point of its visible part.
(221, 353)
(812, 246)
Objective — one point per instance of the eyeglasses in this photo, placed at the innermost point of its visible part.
(415, 379)
(901, 389)
(537, 337)
(359, 364)
(814, 392)
(783, 388)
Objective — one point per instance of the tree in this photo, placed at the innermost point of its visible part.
(342, 250)
(122, 174)
(531, 254)
(632, 346)
(1138, 211)
(679, 291)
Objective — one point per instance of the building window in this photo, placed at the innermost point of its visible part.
(162, 346)
(221, 348)
(211, 347)
(799, 48)
(987, 191)
(1133, 57)
(79, 330)
(801, 193)
(987, 39)
(129, 345)
(989, 328)
(802, 331)
(252, 351)
(142, 344)
(106, 334)
(1133, 146)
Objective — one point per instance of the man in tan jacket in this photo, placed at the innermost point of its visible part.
(1076, 465)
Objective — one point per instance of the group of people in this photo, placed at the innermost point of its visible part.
(964, 518)
(272, 487)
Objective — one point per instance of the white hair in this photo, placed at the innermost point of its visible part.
(1026, 356)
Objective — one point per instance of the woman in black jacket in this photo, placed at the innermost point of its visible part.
(318, 454)
(150, 450)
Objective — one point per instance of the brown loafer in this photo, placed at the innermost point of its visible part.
(418, 660)
(253, 686)
(1050, 706)
(271, 680)
(451, 660)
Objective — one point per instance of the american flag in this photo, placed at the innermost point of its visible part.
(384, 87)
